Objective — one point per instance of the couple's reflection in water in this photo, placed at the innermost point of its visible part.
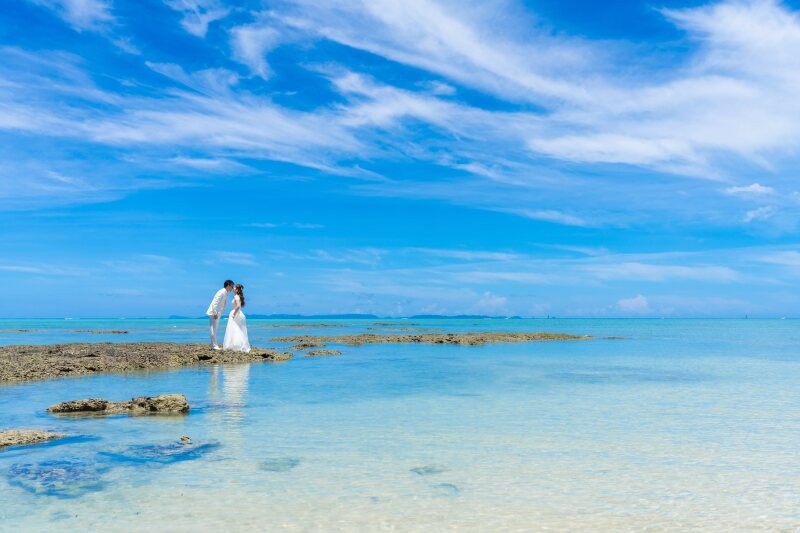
(229, 402)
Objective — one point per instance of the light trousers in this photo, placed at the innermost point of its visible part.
(214, 326)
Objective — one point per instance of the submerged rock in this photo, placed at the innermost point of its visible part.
(280, 464)
(66, 479)
(429, 470)
(320, 353)
(28, 363)
(469, 339)
(447, 489)
(163, 404)
(163, 453)
(23, 437)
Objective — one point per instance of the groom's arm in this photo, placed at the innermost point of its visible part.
(215, 304)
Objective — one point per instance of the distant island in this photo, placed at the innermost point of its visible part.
(356, 316)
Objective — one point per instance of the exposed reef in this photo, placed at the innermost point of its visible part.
(169, 404)
(317, 325)
(31, 363)
(102, 331)
(24, 437)
(306, 346)
(469, 339)
(322, 353)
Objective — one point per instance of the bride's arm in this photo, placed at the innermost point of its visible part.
(236, 306)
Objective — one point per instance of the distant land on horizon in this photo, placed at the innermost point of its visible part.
(356, 316)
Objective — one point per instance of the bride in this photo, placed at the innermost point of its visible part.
(236, 331)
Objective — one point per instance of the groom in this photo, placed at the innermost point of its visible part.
(216, 309)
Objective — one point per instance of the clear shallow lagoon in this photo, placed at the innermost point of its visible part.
(683, 425)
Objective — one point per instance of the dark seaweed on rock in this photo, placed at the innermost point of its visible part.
(30, 363)
(469, 339)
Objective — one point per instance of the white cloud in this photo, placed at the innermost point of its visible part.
(740, 73)
(296, 225)
(454, 40)
(762, 213)
(211, 81)
(786, 258)
(198, 14)
(142, 264)
(685, 120)
(81, 14)
(236, 258)
(637, 305)
(504, 276)
(363, 256)
(250, 46)
(661, 273)
(550, 215)
(490, 303)
(267, 225)
(468, 255)
(49, 270)
(754, 189)
(22, 268)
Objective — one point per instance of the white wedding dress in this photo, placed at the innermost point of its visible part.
(236, 331)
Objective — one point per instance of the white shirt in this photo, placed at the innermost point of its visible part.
(217, 306)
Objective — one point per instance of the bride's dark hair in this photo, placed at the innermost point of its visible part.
(239, 289)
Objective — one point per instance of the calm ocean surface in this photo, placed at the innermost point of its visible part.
(683, 425)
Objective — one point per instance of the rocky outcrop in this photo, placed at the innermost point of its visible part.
(322, 353)
(303, 326)
(468, 339)
(170, 404)
(22, 437)
(30, 363)
(306, 346)
(102, 331)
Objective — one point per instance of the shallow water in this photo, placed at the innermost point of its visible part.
(683, 425)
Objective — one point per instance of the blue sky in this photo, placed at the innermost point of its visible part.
(570, 158)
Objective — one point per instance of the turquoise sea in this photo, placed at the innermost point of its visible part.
(683, 425)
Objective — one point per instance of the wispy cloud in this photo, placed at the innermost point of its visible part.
(662, 273)
(762, 213)
(81, 14)
(250, 45)
(754, 189)
(296, 225)
(141, 264)
(467, 255)
(235, 258)
(637, 305)
(549, 215)
(198, 14)
(49, 270)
